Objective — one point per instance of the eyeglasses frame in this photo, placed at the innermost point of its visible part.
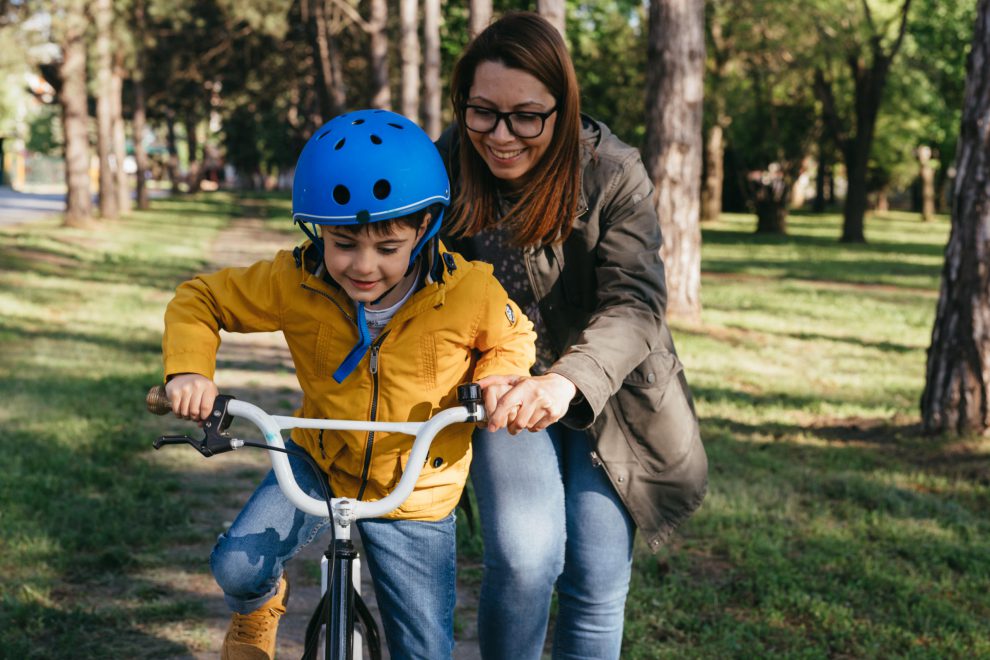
(507, 117)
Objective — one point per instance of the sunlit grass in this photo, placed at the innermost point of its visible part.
(832, 528)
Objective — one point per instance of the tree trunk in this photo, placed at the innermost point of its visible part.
(139, 124)
(75, 116)
(173, 150)
(122, 183)
(771, 216)
(195, 174)
(711, 193)
(480, 15)
(822, 178)
(432, 94)
(869, 81)
(103, 17)
(927, 175)
(553, 11)
(329, 91)
(381, 94)
(955, 399)
(409, 50)
(673, 149)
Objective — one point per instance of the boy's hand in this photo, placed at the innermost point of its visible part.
(492, 389)
(191, 396)
(532, 403)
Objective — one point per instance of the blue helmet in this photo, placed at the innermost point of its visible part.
(368, 166)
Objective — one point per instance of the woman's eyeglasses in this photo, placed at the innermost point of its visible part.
(523, 125)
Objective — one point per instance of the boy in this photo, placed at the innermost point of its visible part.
(382, 323)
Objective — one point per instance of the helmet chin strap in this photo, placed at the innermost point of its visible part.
(360, 348)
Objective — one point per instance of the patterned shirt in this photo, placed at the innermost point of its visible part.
(494, 246)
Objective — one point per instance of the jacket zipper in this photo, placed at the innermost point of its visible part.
(370, 444)
(330, 298)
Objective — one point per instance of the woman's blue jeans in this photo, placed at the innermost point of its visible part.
(549, 518)
(412, 564)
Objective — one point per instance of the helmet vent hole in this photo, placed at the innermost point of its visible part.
(357, 122)
(341, 195)
(375, 139)
(339, 145)
(323, 135)
(382, 189)
(394, 125)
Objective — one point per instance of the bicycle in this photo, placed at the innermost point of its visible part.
(334, 617)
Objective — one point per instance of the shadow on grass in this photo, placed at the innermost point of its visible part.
(735, 334)
(34, 630)
(19, 332)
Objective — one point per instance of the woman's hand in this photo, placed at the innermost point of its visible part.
(531, 403)
(191, 396)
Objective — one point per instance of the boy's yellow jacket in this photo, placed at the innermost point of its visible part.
(459, 329)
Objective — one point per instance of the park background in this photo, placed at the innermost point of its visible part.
(822, 185)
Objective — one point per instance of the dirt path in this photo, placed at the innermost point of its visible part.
(256, 368)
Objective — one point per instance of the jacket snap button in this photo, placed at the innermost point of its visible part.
(621, 479)
(437, 462)
(650, 377)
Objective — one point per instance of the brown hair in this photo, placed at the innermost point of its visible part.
(384, 228)
(544, 213)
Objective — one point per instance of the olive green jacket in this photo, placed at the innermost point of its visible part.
(602, 296)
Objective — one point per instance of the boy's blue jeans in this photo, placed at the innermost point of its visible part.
(412, 564)
(549, 517)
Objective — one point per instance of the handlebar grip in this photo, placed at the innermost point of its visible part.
(157, 402)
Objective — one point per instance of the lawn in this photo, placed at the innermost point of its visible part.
(832, 528)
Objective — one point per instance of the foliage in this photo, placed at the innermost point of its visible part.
(608, 44)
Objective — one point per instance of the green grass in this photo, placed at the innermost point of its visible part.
(832, 527)
(80, 504)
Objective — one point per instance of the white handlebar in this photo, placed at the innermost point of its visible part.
(348, 510)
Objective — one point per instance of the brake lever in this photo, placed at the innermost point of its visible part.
(215, 439)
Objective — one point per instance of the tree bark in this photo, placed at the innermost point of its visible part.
(195, 174)
(711, 193)
(140, 110)
(673, 150)
(75, 116)
(381, 94)
(432, 94)
(103, 17)
(955, 399)
(122, 184)
(409, 50)
(554, 12)
(480, 15)
(822, 176)
(330, 93)
(173, 150)
(927, 175)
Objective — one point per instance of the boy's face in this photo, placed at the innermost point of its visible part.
(367, 265)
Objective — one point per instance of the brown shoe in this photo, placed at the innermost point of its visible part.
(252, 636)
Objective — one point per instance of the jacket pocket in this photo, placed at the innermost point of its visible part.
(654, 413)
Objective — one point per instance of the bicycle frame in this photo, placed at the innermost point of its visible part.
(339, 642)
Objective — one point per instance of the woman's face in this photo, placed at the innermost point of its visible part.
(500, 88)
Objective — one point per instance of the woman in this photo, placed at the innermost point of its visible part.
(602, 438)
